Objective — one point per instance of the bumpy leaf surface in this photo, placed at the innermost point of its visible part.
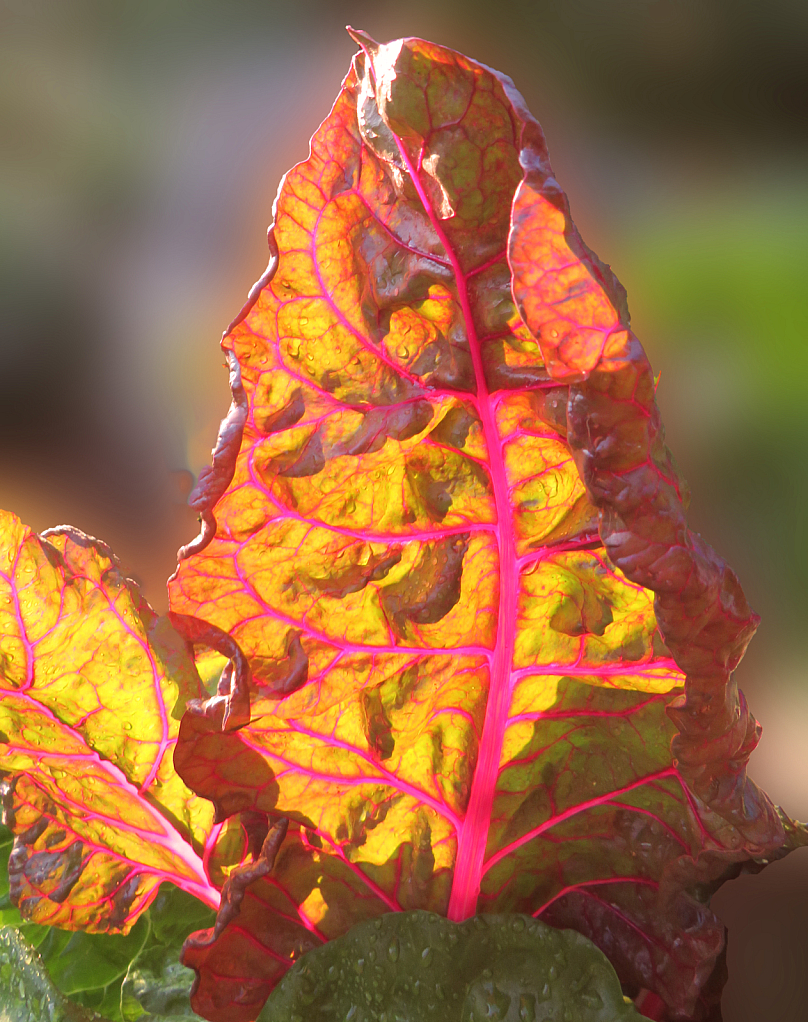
(419, 967)
(443, 526)
(93, 686)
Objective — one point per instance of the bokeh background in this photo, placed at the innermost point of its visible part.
(142, 146)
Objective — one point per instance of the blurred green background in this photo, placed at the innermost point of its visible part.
(142, 145)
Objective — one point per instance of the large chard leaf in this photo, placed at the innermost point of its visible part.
(443, 526)
(93, 687)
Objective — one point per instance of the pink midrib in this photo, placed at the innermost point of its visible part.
(473, 832)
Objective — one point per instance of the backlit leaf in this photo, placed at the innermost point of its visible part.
(442, 524)
(93, 686)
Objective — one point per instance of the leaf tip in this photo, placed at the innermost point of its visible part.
(362, 39)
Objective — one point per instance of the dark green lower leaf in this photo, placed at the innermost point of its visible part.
(418, 966)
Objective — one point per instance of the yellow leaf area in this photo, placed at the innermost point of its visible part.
(93, 686)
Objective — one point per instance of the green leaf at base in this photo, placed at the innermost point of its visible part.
(418, 966)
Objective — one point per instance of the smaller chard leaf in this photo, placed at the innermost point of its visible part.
(93, 684)
(418, 967)
(27, 993)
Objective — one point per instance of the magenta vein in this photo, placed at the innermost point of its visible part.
(575, 811)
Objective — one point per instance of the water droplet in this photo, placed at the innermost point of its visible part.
(527, 1008)
(371, 954)
(394, 950)
(427, 956)
(310, 357)
(304, 320)
(518, 925)
(553, 972)
(402, 351)
(360, 966)
(439, 992)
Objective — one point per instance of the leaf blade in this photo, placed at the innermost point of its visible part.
(407, 539)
